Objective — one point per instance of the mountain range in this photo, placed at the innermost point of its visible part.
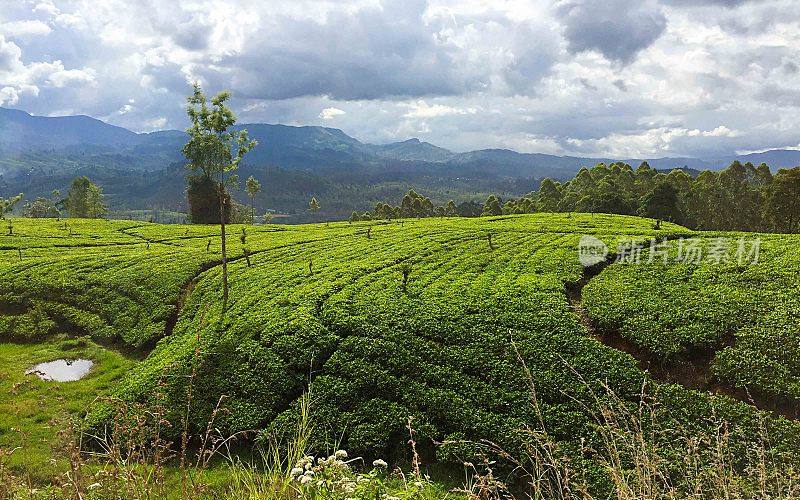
(145, 170)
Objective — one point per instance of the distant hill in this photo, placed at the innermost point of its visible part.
(20, 131)
(777, 158)
(412, 149)
(145, 170)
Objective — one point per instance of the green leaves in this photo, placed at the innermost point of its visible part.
(447, 350)
(212, 147)
(746, 316)
(7, 204)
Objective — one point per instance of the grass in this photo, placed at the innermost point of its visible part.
(133, 461)
(34, 412)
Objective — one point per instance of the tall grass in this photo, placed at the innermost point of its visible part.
(639, 451)
(643, 454)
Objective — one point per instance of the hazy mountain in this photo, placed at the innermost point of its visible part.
(20, 131)
(412, 149)
(777, 158)
(85, 140)
(147, 170)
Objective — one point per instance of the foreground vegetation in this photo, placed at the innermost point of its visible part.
(458, 330)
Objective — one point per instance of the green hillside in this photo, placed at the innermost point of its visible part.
(454, 323)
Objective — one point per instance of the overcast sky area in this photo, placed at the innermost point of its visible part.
(588, 77)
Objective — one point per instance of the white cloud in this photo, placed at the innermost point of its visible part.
(331, 113)
(9, 96)
(156, 123)
(721, 131)
(28, 27)
(47, 7)
(422, 109)
(661, 77)
(60, 77)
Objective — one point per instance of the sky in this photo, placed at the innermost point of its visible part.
(638, 78)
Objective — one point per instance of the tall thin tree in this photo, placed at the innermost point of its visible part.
(215, 149)
(253, 187)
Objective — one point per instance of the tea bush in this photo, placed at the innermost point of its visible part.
(421, 319)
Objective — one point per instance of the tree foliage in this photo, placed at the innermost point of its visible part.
(41, 208)
(7, 204)
(253, 187)
(85, 199)
(214, 150)
(204, 201)
(741, 197)
(415, 205)
(313, 205)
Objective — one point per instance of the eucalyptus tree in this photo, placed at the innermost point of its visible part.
(214, 150)
(253, 187)
(85, 199)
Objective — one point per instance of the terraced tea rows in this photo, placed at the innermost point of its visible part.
(379, 321)
(741, 316)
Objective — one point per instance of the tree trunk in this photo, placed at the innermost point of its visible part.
(224, 256)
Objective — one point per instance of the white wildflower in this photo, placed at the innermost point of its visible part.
(305, 479)
(379, 463)
(340, 454)
(296, 471)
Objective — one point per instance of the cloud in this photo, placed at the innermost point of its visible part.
(703, 3)
(782, 96)
(422, 109)
(618, 29)
(594, 77)
(375, 52)
(46, 7)
(18, 79)
(59, 77)
(659, 141)
(331, 113)
(156, 123)
(30, 27)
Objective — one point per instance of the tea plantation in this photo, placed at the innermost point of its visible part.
(744, 316)
(453, 322)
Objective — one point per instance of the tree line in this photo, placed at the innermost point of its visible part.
(414, 205)
(741, 197)
(84, 200)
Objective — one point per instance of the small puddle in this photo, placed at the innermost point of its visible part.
(62, 370)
